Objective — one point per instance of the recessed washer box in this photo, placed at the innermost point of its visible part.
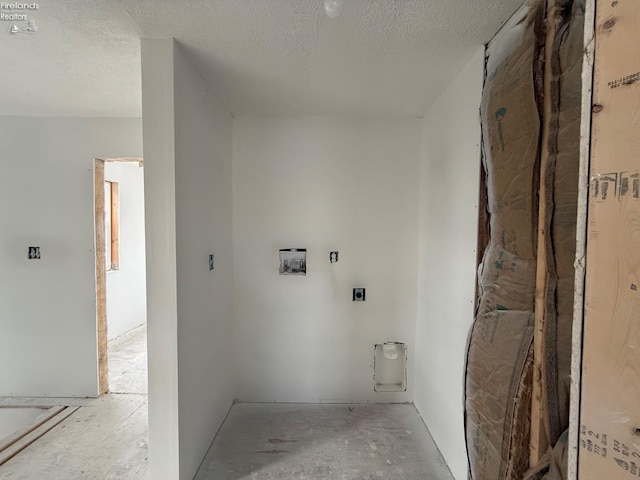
(390, 367)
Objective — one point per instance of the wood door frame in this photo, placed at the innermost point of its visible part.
(101, 276)
(100, 267)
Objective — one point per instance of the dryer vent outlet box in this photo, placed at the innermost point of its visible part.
(390, 367)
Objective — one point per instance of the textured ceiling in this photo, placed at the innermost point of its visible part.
(261, 57)
(84, 60)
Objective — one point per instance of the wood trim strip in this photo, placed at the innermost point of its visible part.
(26, 440)
(115, 226)
(101, 278)
(581, 238)
(39, 420)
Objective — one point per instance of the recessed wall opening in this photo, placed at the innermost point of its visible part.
(390, 367)
(121, 275)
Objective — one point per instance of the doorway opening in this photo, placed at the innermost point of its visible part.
(120, 275)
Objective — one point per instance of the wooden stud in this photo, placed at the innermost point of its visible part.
(539, 437)
(115, 226)
(101, 277)
(581, 240)
(138, 160)
(123, 159)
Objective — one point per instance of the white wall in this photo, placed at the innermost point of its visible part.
(323, 184)
(160, 243)
(126, 287)
(449, 179)
(205, 301)
(397, 198)
(48, 343)
(187, 137)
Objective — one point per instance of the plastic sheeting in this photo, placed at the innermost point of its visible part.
(497, 402)
(500, 358)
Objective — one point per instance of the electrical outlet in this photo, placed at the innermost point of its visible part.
(211, 262)
(359, 294)
(34, 253)
(333, 257)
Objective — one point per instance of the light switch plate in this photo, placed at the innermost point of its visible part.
(34, 253)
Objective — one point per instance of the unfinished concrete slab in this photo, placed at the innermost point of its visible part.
(106, 439)
(127, 356)
(42, 402)
(15, 418)
(303, 441)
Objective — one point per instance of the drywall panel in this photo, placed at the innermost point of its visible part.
(203, 227)
(324, 184)
(610, 413)
(48, 345)
(126, 286)
(160, 224)
(187, 138)
(449, 179)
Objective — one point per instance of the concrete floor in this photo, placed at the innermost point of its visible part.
(106, 439)
(323, 442)
(16, 418)
(127, 356)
